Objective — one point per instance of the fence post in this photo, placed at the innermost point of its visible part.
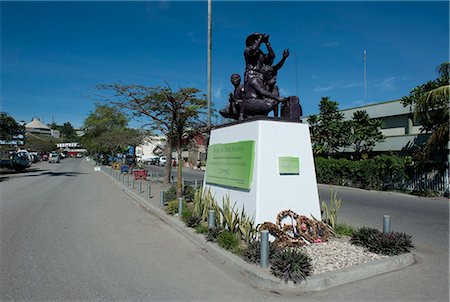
(264, 253)
(140, 186)
(149, 194)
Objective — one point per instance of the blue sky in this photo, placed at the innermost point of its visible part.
(53, 54)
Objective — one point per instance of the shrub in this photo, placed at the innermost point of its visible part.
(213, 233)
(291, 264)
(170, 194)
(252, 253)
(390, 244)
(380, 172)
(201, 228)
(362, 235)
(229, 241)
(187, 213)
(344, 229)
(188, 193)
(193, 221)
(172, 207)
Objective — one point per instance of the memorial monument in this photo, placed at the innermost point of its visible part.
(263, 163)
(259, 95)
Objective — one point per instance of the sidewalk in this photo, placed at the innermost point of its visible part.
(256, 275)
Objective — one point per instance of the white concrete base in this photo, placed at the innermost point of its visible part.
(270, 191)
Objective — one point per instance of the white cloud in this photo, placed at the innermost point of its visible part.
(324, 88)
(387, 84)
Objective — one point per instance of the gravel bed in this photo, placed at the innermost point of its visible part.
(335, 254)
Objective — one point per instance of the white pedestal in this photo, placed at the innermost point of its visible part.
(271, 191)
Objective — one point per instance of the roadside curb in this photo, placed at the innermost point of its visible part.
(260, 277)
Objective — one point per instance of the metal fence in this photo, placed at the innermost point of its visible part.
(436, 181)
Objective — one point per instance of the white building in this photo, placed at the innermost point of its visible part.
(37, 127)
(152, 147)
(401, 132)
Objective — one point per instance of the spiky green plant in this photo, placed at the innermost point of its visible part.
(193, 221)
(362, 235)
(203, 202)
(247, 227)
(291, 265)
(390, 244)
(252, 253)
(230, 217)
(331, 210)
(212, 234)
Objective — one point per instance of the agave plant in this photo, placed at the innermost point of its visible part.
(362, 236)
(247, 227)
(229, 215)
(390, 244)
(252, 253)
(291, 264)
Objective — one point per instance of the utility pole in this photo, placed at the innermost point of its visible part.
(209, 61)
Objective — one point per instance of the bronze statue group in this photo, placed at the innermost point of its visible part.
(259, 95)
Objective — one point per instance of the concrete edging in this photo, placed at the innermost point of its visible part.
(260, 277)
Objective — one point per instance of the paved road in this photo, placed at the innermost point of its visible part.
(68, 233)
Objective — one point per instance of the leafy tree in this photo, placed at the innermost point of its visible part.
(430, 103)
(174, 113)
(10, 130)
(329, 131)
(365, 132)
(118, 139)
(104, 119)
(68, 133)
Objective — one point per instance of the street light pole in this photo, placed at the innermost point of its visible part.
(209, 61)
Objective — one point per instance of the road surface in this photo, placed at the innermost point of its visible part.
(69, 233)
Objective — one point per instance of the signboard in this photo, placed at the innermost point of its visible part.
(231, 164)
(288, 165)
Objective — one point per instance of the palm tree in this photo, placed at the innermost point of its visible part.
(434, 106)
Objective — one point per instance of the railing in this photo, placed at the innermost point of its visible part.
(436, 181)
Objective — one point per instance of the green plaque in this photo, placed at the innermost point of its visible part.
(288, 165)
(231, 164)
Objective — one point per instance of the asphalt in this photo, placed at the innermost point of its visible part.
(254, 274)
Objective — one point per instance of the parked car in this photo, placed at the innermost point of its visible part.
(53, 158)
(162, 161)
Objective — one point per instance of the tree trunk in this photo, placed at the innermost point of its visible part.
(168, 166)
(180, 172)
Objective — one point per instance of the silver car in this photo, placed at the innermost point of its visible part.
(53, 158)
